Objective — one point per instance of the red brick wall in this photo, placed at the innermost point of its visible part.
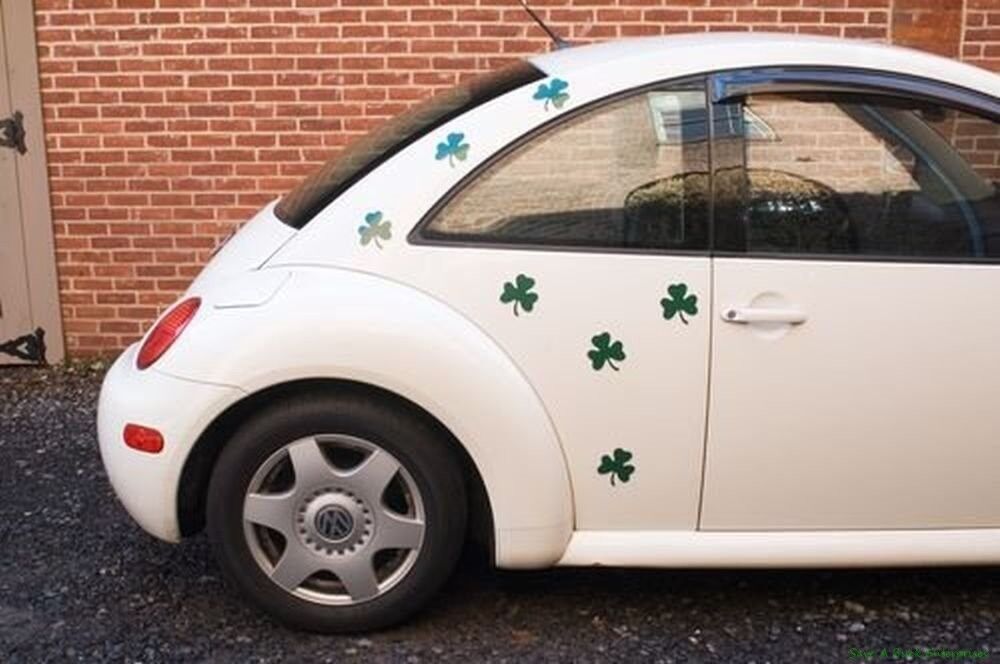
(981, 45)
(934, 25)
(169, 120)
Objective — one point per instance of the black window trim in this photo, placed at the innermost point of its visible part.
(720, 86)
(732, 84)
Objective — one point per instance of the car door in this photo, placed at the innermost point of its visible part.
(582, 251)
(855, 361)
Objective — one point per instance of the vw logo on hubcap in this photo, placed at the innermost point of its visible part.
(334, 523)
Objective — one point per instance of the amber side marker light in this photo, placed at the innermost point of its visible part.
(143, 438)
(167, 331)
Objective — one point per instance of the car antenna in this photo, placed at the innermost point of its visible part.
(558, 41)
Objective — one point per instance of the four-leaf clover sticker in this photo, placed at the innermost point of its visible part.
(605, 351)
(554, 92)
(375, 228)
(520, 293)
(617, 465)
(453, 148)
(679, 303)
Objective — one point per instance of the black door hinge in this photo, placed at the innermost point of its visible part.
(30, 347)
(12, 133)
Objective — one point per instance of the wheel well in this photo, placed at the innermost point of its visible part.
(198, 466)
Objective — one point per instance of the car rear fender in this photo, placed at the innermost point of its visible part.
(341, 324)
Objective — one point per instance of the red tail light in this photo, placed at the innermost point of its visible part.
(143, 438)
(167, 331)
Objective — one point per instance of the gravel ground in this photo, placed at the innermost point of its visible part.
(80, 582)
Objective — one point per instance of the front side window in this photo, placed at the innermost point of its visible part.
(859, 175)
(630, 174)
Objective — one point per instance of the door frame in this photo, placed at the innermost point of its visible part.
(725, 507)
(44, 342)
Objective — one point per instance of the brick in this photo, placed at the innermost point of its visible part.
(167, 121)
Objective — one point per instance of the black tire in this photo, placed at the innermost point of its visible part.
(420, 447)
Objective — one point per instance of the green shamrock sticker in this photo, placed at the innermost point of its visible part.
(604, 352)
(453, 148)
(554, 92)
(617, 465)
(520, 294)
(679, 303)
(374, 228)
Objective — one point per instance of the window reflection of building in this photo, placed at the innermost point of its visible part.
(572, 183)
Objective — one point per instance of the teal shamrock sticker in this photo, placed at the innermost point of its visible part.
(520, 293)
(605, 352)
(375, 228)
(453, 148)
(554, 92)
(617, 465)
(679, 303)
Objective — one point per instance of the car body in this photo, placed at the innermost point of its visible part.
(705, 300)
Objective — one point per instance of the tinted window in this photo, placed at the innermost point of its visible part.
(629, 174)
(866, 176)
(304, 202)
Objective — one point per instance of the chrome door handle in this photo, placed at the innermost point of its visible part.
(763, 315)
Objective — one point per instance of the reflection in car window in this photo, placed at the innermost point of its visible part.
(624, 175)
(682, 116)
(867, 176)
(304, 202)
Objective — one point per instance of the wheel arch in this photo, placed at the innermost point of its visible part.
(346, 328)
(197, 468)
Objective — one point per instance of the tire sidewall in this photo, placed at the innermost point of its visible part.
(417, 445)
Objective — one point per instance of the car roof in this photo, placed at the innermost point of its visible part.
(660, 58)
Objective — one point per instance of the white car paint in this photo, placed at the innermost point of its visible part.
(330, 322)
(422, 321)
(147, 483)
(878, 413)
(761, 549)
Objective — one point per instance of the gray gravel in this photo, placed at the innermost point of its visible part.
(80, 582)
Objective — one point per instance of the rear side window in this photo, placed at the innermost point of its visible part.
(859, 176)
(630, 174)
(298, 207)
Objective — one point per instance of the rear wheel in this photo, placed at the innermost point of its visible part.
(337, 513)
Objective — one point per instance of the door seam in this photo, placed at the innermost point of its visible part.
(708, 390)
(710, 108)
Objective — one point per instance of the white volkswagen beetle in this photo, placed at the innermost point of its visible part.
(726, 300)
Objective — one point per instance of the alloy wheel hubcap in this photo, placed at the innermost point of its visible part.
(334, 522)
(333, 519)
